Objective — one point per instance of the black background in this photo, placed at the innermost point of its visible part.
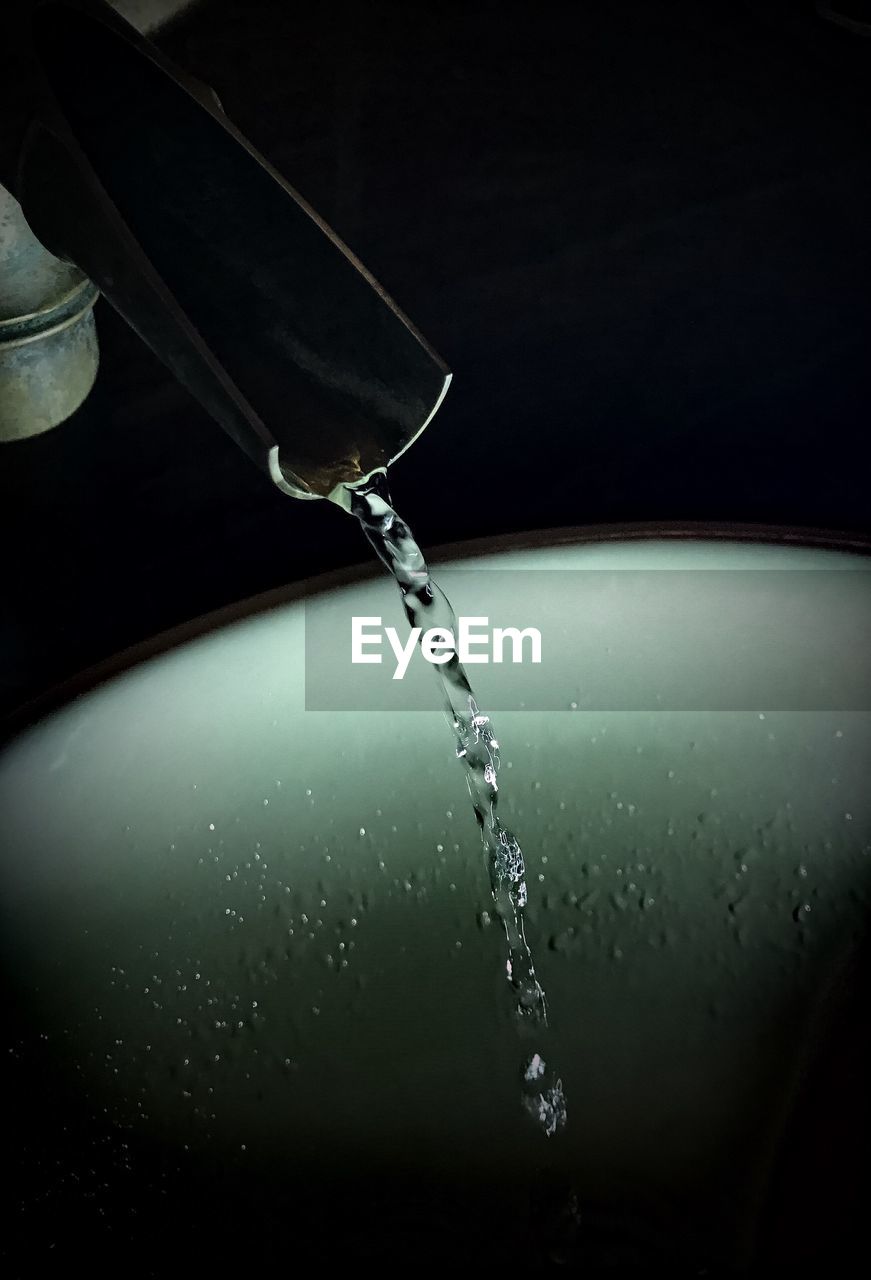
(639, 234)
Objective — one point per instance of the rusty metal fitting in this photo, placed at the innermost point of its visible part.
(48, 339)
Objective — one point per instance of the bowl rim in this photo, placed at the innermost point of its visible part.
(83, 682)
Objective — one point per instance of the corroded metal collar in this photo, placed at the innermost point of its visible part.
(48, 342)
(50, 319)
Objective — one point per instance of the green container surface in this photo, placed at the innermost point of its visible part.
(247, 971)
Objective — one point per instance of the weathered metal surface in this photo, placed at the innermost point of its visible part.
(48, 339)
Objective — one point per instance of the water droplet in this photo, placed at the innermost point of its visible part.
(562, 942)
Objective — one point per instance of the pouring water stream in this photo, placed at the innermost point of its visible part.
(426, 606)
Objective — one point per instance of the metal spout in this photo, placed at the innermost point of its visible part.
(132, 172)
